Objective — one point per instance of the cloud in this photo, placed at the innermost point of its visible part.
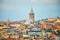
(44, 1)
(19, 6)
(34, 0)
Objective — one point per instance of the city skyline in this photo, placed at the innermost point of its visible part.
(16, 10)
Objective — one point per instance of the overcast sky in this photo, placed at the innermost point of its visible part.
(16, 10)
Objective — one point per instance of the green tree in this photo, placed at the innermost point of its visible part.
(57, 32)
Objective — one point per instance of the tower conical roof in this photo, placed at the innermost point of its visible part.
(31, 12)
